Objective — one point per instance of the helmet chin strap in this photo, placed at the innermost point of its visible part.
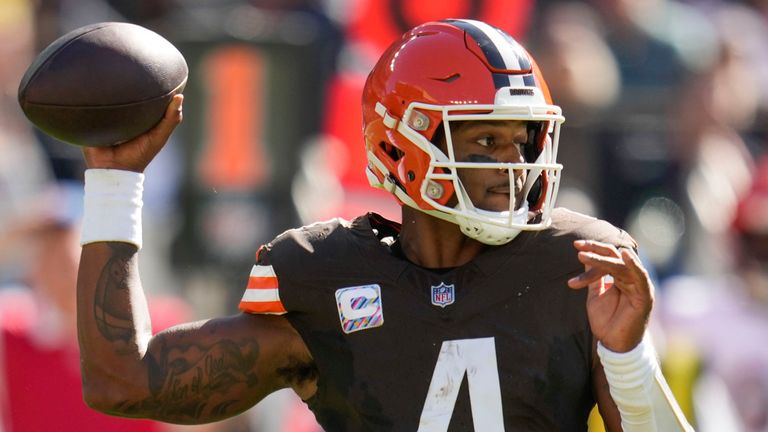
(493, 234)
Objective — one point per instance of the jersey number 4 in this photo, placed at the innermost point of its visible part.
(475, 358)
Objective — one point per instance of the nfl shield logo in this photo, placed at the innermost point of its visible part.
(442, 295)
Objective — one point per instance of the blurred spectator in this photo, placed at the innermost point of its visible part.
(569, 46)
(723, 321)
(715, 119)
(37, 324)
(618, 80)
(741, 99)
(639, 173)
(748, 37)
(39, 357)
(22, 167)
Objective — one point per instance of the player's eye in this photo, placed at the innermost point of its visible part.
(487, 141)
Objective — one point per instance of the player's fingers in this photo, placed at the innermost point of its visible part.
(171, 118)
(597, 247)
(584, 279)
(594, 252)
(632, 261)
(608, 262)
(638, 274)
(614, 266)
(174, 110)
(627, 271)
(158, 136)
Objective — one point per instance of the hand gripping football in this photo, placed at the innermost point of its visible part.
(102, 84)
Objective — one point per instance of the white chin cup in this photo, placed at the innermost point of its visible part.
(497, 233)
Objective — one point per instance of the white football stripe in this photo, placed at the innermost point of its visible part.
(263, 271)
(261, 295)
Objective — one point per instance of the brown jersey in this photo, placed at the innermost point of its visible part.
(498, 344)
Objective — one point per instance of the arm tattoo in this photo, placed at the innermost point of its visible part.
(193, 381)
(190, 379)
(112, 308)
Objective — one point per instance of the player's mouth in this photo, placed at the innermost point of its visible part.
(500, 189)
(497, 197)
(501, 193)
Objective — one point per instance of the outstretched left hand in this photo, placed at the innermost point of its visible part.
(618, 313)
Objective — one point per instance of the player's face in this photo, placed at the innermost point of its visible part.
(490, 142)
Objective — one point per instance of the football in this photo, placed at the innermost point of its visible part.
(102, 84)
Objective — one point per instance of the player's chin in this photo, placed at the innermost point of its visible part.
(498, 201)
(495, 202)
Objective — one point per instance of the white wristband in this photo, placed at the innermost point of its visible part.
(640, 391)
(112, 206)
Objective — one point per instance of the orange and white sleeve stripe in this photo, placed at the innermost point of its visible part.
(262, 295)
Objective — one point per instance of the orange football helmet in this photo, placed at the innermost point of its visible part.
(459, 70)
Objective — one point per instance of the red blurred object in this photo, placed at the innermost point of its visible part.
(752, 211)
(380, 22)
(42, 369)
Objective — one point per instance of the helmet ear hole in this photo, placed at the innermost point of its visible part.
(438, 138)
(393, 152)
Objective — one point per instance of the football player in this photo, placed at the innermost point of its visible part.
(486, 309)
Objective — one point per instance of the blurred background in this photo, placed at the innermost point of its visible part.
(666, 105)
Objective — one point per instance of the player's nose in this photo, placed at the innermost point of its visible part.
(509, 153)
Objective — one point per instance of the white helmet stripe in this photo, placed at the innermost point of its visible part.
(498, 47)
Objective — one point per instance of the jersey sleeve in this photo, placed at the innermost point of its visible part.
(270, 277)
(555, 246)
(262, 293)
(291, 271)
(575, 226)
